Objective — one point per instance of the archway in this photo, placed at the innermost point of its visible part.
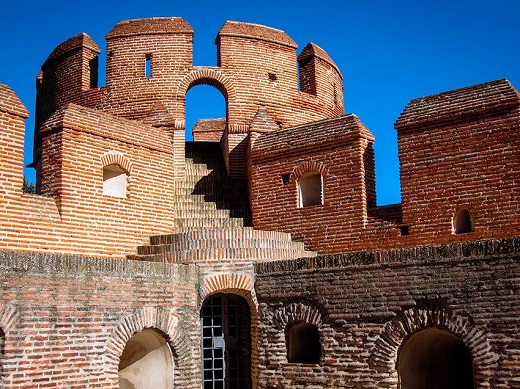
(205, 113)
(226, 342)
(434, 359)
(146, 362)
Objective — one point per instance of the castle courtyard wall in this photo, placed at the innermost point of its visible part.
(65, 320)
(366, 305)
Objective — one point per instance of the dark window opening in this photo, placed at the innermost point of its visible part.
(462, 222)
(303, 344)
(432, 359)
(225, 342)
(285, 178)
(272, 77)
(405, 230)
(310, 189)
(148, 66)
(93, 72)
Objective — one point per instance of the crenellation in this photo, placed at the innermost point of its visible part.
(138, 243)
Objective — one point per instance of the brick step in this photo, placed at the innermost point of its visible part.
(222, 244)
(183, 225)
(210, 213)
(226, 255)
(232, 233)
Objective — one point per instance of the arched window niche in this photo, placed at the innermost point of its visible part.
(114, 181)
(303, 343)
(434, 358)
(146, 362)
(310, 189)
(462, 222)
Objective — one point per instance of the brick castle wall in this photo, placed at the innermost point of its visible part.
(458, 158)
(366, 305)
(66, 323)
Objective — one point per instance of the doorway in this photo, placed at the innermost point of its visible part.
(226, 342)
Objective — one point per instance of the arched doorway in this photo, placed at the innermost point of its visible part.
(434, 359)
(146, 362)
(226, 342)
(205, 112)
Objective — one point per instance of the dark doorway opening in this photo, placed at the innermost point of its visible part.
(435, 359)
(226, 342)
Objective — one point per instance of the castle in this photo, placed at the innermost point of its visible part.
(254, 256)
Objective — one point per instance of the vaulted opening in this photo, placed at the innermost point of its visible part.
(310, 189)
(205, 113)
(114, 181)
(303, 343)
(462, 222)
(434, 359)
(146, 362)
(226, 342)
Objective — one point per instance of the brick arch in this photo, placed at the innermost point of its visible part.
(116, 158)
(309, 166)
(296, 313)
(406, 323)
(207, 76)
(165, 321)
(240, 284)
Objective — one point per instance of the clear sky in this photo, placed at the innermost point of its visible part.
(389, 52)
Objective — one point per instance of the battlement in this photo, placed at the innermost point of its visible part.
(150, 26)
(118, 152)
(145, 259)
(150, 69)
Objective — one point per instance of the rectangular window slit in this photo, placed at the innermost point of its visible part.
(148, 66)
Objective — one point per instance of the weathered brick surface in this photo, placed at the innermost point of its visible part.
(82, 272)
(465, 157)
(367, 304)
(72, 215)
(66, 324)
(257, 66)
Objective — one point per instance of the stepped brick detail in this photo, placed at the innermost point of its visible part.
(212, 217)
(211, 263)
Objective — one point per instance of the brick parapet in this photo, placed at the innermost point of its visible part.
(150, 26)
(74, 265)
(412, 256)
(11, 104)
(167, 43)
(458, 106)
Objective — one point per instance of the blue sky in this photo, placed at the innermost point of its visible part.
(389, 52)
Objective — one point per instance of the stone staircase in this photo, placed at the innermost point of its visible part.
(213, 220)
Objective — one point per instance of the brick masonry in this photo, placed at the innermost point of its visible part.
(82, 271)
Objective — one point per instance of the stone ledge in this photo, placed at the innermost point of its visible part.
(59, 264)
(414, 255)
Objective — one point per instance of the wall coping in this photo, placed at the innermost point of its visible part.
(70, 265)
(478, 250)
